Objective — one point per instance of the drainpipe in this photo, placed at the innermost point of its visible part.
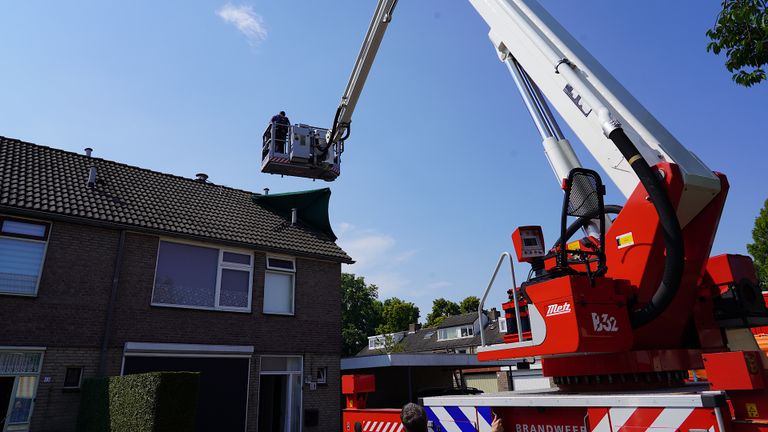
(101, 371)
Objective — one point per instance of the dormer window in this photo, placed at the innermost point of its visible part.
(455, 332)
(376, 343)
(381, 341)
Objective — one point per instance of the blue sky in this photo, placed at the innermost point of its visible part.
(443, 162)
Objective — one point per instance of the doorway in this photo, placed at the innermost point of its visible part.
(6, 391)
(273, 401)
(280, 396)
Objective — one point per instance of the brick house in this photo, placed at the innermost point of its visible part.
(109, 269)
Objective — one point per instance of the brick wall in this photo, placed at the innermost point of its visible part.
(56, 408)
(70, 306)
(68, 316)
(314, 328)
(326, 398)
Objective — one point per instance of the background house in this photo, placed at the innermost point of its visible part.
(109, 269)
(440, 359)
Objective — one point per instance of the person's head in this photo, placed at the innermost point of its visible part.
(282, 113)
(414, 418)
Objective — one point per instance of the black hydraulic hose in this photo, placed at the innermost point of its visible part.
(674, 261)
(335, 123)
(334, 128)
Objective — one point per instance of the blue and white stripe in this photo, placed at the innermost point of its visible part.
(459, 419)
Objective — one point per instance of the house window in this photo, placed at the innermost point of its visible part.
(202, 277)
(279, 286)
(454, 332)
(22, 252)
(376, 343)
(73, 377)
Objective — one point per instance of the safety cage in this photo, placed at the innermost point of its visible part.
(299, 150)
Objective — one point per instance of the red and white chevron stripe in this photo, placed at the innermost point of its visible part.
(384, 426)
(653, 419)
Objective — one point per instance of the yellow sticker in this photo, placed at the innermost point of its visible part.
(625, 240)
(574, 245)
(752, 410)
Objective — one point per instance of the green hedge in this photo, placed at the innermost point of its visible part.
(151, 402)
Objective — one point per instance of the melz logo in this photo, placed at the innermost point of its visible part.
(558, 309)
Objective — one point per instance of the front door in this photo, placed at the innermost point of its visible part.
(6, 391)
(280, 394)
(273, 403)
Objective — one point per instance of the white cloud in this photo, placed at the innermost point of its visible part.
(246, 20)
(377, 258)
(391, 284)
(367, 249)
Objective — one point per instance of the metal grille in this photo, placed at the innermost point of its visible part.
(17, 362)
(584, 196)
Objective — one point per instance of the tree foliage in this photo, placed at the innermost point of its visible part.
(759, 249)
(469, 304)
(742, 31)
(360, 312)
(441, 308)
(396, 314)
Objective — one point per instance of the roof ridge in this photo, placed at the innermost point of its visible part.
(82, 156)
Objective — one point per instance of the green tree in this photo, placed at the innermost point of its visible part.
(441, 308)
(360, 312)
(396, 314)
(741, 30)
(759, 249)
(469, 304)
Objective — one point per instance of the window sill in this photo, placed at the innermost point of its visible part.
(203, 308)
(12, 294)
(279, 313)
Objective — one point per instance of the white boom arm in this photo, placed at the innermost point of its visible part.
(586, 95)
(379, 23)
(545, 59)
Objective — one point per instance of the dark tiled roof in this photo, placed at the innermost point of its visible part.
(425, 341)
(46, 180)
(457, 320)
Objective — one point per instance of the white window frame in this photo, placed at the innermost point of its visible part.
(221, 266)
(80, 378)
(47, 237)
(376, 343)
(456, 330)
(280, 270)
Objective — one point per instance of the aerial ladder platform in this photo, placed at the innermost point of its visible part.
(621, 313)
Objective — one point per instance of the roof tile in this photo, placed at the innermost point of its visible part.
(45, 179)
